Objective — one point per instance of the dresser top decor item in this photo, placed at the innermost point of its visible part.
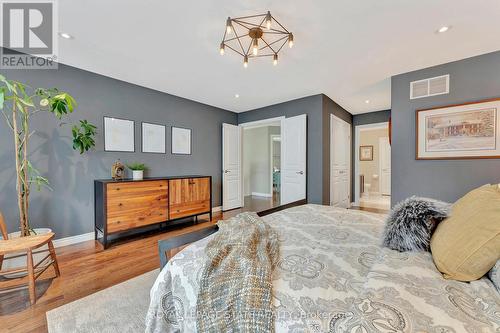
(117, 170)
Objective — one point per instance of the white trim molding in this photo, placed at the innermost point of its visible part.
(74, 239)
(259, 194)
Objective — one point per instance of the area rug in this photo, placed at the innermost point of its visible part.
(120, 308)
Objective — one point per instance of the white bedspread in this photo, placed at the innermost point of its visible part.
(333, 276)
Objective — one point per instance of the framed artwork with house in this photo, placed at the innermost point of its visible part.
(462, 131)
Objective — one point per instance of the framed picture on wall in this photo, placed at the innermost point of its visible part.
(153, 138)
(181, 141)
(463, 131)
(119, 135)
(366, 153)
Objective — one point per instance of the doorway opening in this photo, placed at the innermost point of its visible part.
(262, 164)
(373, 166)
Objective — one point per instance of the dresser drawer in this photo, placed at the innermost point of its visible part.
(189, 208)
(135, 204)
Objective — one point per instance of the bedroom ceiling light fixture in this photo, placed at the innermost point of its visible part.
(255, 36)
(65, 35)
(444, 29)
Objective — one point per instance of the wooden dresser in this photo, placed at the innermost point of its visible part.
(122, 205)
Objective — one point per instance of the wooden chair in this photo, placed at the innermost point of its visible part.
(25, 246)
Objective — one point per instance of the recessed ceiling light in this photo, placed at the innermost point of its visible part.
(65, 35)
(367, 101)
(443, 29)
(236, 96)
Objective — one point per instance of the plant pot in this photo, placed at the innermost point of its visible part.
(137, 174)
(21, 261)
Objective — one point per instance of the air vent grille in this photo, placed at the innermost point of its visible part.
(430, 87)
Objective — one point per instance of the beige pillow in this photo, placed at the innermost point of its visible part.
(466, 245)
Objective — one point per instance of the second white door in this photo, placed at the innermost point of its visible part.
(340, 160)
(231, 167)
(293, 161)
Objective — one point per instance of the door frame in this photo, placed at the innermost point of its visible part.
(271, 151)
(357, 132)
(349, 149)
(380, 166)
(256, 124)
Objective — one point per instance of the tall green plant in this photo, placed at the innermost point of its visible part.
(19, 102)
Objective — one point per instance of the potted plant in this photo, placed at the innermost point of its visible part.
(137, 170)
(19, 102)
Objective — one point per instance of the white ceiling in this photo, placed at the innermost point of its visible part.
(345, 49)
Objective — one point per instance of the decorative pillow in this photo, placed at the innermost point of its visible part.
(466, 245)
(410, 224)
(494, 275)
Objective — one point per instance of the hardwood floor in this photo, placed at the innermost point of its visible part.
(85, 269)
(254, 203)
(372, 210)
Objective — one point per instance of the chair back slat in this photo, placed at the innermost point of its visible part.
(3, 227)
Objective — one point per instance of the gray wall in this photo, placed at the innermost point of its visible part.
(471, 79)
(312, 106)
(68, 209)
(371, 118)
(364, 119)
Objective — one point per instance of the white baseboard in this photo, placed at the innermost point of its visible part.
(258, 194)
(216, 209)
(74, 239)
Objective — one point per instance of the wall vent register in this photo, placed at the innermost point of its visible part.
(430, 87)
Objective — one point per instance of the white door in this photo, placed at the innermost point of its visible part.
(385, 166)
(293, 161)
(340, 159)
(231, 167)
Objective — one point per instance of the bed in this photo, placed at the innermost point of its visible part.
(333, 276)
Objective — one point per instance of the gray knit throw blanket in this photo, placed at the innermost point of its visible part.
(236, 282)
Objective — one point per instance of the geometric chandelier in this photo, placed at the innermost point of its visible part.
(255, 36)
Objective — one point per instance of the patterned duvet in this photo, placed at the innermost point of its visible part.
(333, 276)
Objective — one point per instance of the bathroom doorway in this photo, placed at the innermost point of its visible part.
(373, 166)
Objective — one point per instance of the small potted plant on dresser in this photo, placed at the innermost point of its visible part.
(137, 170)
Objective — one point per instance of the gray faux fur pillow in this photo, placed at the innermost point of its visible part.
(410, 224)
(494, 275)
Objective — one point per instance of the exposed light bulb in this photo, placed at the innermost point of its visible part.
(221, 50)
(65, 35)
(268, 20)
(275, 59)
(245, 61)
(255, 47)
(443, 29)
(228, 25)
(290, 40)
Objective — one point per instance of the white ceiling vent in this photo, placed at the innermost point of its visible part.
(430, 87)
